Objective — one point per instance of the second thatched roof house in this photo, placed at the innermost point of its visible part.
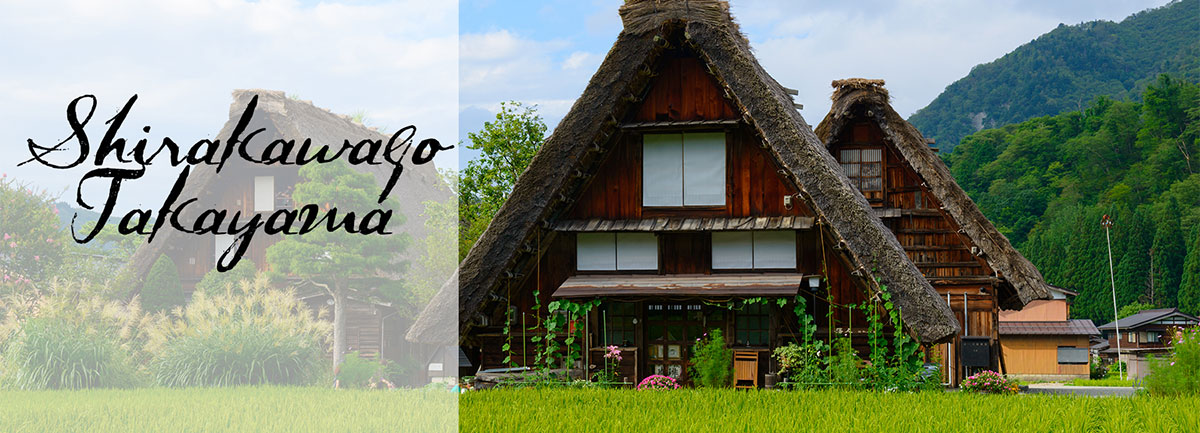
(974, 268)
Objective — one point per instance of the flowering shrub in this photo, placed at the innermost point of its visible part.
(31, 241)
(1178, 374)
(657, 382)
(989, 381)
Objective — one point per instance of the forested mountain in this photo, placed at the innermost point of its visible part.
(1065, 69)
(1046, 182)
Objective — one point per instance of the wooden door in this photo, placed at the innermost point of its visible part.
(672, 329)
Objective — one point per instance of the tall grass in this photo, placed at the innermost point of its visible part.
(705, 410)
(55, 354)
(221, 410)
(237, 354)
(244, 335)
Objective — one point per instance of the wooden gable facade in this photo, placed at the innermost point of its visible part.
(656, 328)
(372, 328)
(913, 194)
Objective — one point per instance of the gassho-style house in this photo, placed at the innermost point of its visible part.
(684, 178)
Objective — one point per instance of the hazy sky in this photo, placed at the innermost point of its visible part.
(397, 61)
(443, 66)
(544, 52)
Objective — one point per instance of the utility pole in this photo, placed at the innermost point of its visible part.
(1107, 223)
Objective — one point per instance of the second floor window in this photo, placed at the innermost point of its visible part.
(864, 167)
(683, 169)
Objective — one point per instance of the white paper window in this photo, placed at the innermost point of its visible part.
(732, 250)
(264, 193)
(683, 169)
(596, 251)
(775, 249)
(662, 170)
(754, 250)
(221, 243)
(616, 252)
(704, 169)
(637, 252)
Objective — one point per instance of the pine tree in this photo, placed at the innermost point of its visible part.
(339, 262)
(1189, 287)
(1168, 251)
(1133, 269)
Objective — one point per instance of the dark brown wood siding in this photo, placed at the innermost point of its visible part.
(753, 187)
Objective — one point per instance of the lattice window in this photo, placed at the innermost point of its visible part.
(864, 167)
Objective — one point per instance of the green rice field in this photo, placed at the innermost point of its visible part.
(591, 410)
(247, 409)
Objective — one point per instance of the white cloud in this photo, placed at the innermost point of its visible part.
(577, 59)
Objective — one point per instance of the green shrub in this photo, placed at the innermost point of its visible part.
(712, 362)
(1097, 370)
(1178, 374)
(845, 367)
(251, 334)
(357, 371)
(1116, 370)
(51, 353)
(162, 290)
(800, 363)
(215, 281)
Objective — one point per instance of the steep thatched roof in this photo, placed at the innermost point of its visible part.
(855, 98)
(705, 27)
(284, 117)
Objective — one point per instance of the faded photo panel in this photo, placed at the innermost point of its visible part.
(229, 216)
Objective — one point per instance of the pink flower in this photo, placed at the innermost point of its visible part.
(37, 258)
(7, 236)
(49, 240)
(12, 244)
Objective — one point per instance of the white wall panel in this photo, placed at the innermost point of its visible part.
(662, 170)
(732, 250)
(596, 252)
(704, 169)
(637, 252)
(775, 249)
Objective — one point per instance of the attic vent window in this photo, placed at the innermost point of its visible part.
(683, 169)
(864, 167)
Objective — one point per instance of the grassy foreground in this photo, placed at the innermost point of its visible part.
(248, 409)
(1100, 382)
(688, 410)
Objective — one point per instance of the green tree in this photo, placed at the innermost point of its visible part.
(506, 147)
(343, 264)
(1189, 287)
(162, 290)
(438, 255)
(1134, 308)
(1168, 251)
(32, 244)
(1133, 269)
